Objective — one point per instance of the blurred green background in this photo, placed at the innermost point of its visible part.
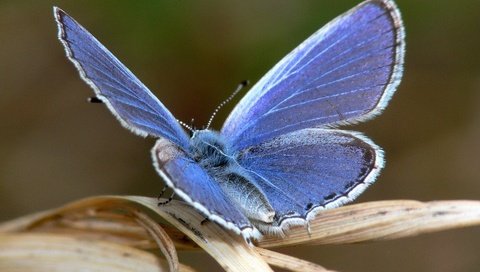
(55, 147)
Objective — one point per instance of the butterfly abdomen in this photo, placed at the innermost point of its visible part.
(241, 189)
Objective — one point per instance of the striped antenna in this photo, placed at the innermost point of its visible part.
(238, 89)
(185, 126)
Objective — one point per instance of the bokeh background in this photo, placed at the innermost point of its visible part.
(55, 147)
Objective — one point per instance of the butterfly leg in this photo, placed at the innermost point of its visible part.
(162, 192)
(204, 221)
(167, 201)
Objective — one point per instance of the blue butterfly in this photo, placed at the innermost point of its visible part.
(279, 158)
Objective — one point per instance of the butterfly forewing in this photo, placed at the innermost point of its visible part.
(346, 72)
(128, 99)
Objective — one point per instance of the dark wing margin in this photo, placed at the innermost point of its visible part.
(308, 170)
(194, 185)
(344, 73)
(128, 99)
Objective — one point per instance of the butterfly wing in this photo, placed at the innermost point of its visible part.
(127, 98)
(344, 73)
(307, 170)
(191, 182)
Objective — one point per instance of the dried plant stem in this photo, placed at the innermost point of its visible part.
(381, 220)
(134, 223)
(57, 252)
(228, 249)
(162, 239)
(288, 262)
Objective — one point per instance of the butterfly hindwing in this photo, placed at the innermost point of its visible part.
(310, 169)
(344, 73)
(191, 182)
(128, 99)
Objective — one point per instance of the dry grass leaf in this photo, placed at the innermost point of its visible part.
(381, 220)
(161, 238)
(138, 223)
(288, 262)
(113, 218)
(57, 252)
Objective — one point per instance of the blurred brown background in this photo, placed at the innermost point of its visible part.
(57, 148)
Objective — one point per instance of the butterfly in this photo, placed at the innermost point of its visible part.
(279, 158)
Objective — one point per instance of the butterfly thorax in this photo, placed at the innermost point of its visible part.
(210, 150)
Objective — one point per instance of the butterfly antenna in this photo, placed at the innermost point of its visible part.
(192, 125)
(242, 85)
(186, 126)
